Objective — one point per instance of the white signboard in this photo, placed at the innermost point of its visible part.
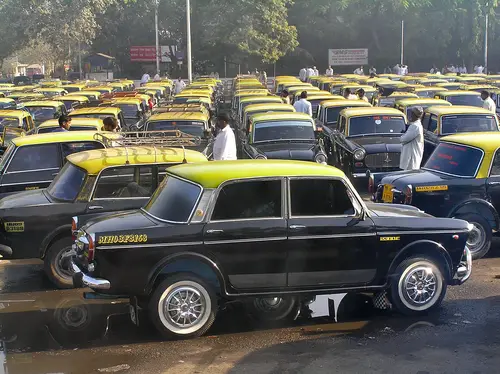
(346, 57)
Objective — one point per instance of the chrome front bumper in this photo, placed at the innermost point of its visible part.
(82, 279)
(464, 270)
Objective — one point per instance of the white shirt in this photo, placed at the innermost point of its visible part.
(225, 145)
(489, 104)
(397, 70)
(412, 147)
(352, 97)
(303, 106)
(316, 72)
(359, 71)
(157, 77)
(452, 69)
(145, 78)
(302, 74)
(310, 73)
(329, 72)
(179, 85)
(372, 71)
(480, 69)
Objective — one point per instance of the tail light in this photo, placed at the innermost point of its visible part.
(91, 248)
(371, 184)
(408, 192)
(74, 227)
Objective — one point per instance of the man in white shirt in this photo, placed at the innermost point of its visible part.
(316, 71)
(397, 69)
(303, 74)
(373, 70)
(349, 95)
(480, 69)
(310, 73)
(225, 142)
(488, 102)
(453, 69)
(329, 71)
(145, 78)
(413, 142)
(179, 85)
(359, 71)
(303, 106)
(157, 77)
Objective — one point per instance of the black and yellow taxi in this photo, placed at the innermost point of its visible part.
(21, 97)
(406, 105)
(458, 97)
(251, 100)
(93, 96)
(44, 110)
(328, 111)
(72, 102)
(301, 231)
(7, 103)
(427, 92)
(77, 124)
(91, 183)
(389, 100)
(74, 87)
(52, 91)
(133, 111)
(100, 113)
(17, 118)
(253, 109)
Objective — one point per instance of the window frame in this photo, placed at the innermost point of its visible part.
(33, 170)
(215, 198)
(350, 194)
(491, 164)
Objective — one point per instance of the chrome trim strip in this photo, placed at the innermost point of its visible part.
(23, 183)
(30, 171)
(130, 246)
(256, 240)
(333, 236)
(392, 233)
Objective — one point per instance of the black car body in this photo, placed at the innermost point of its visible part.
(300, 230)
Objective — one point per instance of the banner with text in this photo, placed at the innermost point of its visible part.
(346, 57)
(148, 53)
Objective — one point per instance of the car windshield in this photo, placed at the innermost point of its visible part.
(283, 130)
(72, 89)
(387, 102)
(9, 122)
(67, 183)
(174, 200)
(425, 94)
(457, 160)
(470, 100)
(194, 128)
(40, 113)
(129, 110)
(468, 123)
(376, 125)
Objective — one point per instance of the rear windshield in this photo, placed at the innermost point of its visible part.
(468, 123)
(42, 113)
(283, 130)
(376, 125)
(7, 105)
(72, 89)
(470, 100)
(428, 94)
(458, 160)
(174, 200)
(45, 130)
(67, 183)
(194, 128)
(129, 110)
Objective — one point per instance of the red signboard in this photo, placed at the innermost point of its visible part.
(142, 53)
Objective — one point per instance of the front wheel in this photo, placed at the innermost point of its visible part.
(56, 263)
(419, 285)
(479, 242)
(183, 306)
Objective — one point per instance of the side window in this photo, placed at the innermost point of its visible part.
(433, 123)
(319, 197)
(495, 167)
(70, 148)
(35, 157)
(124, 182)
(262, 199)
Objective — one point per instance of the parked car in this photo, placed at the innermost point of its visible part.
(468, 98)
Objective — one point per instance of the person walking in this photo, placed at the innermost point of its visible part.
(488, 102)
(225, 141)
(285, 96)
(413, 142)
(303, 74)
(329, 71)
(64, 124)
(359, 71)
(179, 85)
(303, 105)
(145, 78)
(361, 95)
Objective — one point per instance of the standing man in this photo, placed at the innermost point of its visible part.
(413, 142)
(64, 124)
(372, 71)
(316, 71)
(488, 102)
(145, 78)
(329, 71)
(303, 106)
(179, 85)
(310, 73)
(157, 77)
(285, 96)
(225, 142)
(303, 74)
(359, 71)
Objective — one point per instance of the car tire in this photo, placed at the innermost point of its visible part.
(418, 286)
(53, 266)
(175, 291)
(272, 310)
(479, 242)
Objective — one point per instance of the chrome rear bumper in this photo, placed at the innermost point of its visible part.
(81, 279)
(464, 270)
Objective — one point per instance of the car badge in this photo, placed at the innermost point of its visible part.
(387, 159)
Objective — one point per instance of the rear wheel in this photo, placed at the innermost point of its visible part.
(56, 263)
(273, 309)
(479, 242)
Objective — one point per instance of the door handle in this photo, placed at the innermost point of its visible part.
(95, 207)
(297, 227)
(215, 231)
(494, 183)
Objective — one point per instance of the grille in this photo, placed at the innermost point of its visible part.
(382, 160)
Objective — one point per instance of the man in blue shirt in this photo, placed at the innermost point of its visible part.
(64, 124)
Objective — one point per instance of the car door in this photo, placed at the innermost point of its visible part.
(246, 233)
(329, 243)
(32, 167)
(493, 182)
(431, 138)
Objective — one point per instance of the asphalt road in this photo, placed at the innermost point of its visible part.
(43, 330)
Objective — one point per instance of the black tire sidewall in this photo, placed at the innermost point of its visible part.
(49, 263)
(478, 220)
(155, 299)
(286, 311)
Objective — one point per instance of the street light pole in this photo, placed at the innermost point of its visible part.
(188, 33)
(402, 41)
(486, 43)
(157, 39)
(80, 59)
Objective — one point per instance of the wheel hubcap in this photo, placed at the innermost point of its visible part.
(268, 304)
(420, 285)
(62, 261)
(184, 307)
(477, 237)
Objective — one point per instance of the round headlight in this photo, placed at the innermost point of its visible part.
(359, 154)
(321, 158)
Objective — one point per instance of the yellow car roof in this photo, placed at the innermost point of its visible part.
(340, 103)
(269, 99)
(269, 107)
(282, 116)
(488, 141)
(374, 111)
(96, 160)
(457, 109)
(59, 137)
(423, 101)
(50, 89)
(74, 85)
(213, 174)
(14, 113)
(6, 100)
(126, 100)
(43, 103)
(96, 110)
(457, 93)
(88, 92)
(91, 122)
(428, 88)
(71, 98)
(179, 116)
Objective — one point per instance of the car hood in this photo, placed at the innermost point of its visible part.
(119, 222)
(378, 143)
(415, 177)
(24, 199)
(289, 150)
(395, 210)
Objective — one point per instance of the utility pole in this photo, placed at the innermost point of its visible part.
(486, 41)
(402, 42)
(157, 39)
(80, 59)
(188, 33)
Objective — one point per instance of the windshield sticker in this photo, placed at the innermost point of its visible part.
(431, 188)
(122, 239)
(378, 122)
(14, 226)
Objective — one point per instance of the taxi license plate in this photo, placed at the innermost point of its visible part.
(387, 194)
